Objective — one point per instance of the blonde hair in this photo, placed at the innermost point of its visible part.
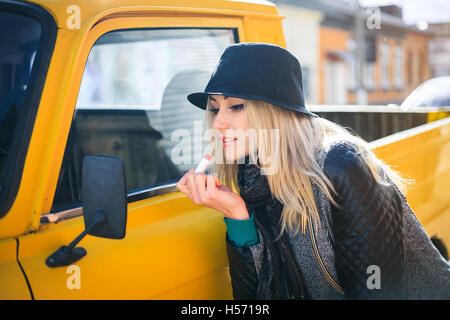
(300, 138)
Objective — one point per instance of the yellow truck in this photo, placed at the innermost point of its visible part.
(83, 79)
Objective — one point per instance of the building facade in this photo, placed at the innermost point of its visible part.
(323, 34)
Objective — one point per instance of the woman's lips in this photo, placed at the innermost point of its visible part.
(228, 140)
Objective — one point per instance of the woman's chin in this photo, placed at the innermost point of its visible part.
(233, 157)
(230, 158)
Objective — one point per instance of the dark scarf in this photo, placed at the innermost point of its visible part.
(255, 190)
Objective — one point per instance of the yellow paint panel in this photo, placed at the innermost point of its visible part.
(93, 11)
(223, 288)
(12, 281)
(423, 155)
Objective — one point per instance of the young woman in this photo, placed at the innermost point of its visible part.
(310, 212)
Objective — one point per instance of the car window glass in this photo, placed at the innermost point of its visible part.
(132, 99)
(19, 40)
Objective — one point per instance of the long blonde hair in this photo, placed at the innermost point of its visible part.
(300, 138)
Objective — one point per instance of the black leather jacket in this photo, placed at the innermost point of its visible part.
(337, 261)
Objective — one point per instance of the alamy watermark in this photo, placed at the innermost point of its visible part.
(374, 280)
(189, 147)
(74, 280)
(74, 19)
(373, 20)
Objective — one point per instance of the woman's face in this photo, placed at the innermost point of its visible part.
(229, 117)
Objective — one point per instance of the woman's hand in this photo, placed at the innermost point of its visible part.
(207, 191)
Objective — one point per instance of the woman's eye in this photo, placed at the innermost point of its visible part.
(237, 107)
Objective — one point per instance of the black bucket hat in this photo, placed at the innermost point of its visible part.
(257, 71)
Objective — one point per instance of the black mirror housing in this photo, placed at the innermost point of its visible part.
(104, 188)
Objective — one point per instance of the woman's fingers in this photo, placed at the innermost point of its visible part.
(182, 184)
(183, 179)
(200, 181)
(192, 188)
(216, 179)
(207, 191)
(200, 188)
(211, 186)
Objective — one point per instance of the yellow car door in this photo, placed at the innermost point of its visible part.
(127, 98)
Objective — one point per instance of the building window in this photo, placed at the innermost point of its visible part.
(409, 63)
(420, 65)
(398, 67)
(415, 69)
(369, 76)
(384, 63)
(335, 89)
(306, 79)
(351, 63)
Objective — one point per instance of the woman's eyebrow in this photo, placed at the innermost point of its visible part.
(225, 97)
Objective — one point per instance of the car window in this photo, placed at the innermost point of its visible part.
(19, 40)
(27, 38)
(132, 104)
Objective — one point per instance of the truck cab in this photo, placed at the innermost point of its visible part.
(111, 78)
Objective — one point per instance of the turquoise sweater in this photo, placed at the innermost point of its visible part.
(242, 233)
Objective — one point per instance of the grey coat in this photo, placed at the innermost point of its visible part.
(372, 248)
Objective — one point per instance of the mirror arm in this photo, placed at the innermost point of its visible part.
(100, 217)
(67, 255)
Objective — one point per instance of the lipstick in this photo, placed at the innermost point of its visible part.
(203, 164)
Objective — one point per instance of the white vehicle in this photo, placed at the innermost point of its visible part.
(432, 93)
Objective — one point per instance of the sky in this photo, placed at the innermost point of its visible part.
(432, 11)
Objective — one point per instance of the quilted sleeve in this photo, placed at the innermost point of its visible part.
(252, 268)
(242, 271)
(368, 229)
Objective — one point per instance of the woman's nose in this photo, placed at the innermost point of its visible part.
(220, 121)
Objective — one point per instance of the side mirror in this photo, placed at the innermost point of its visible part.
(104, 197)
(104, 190)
